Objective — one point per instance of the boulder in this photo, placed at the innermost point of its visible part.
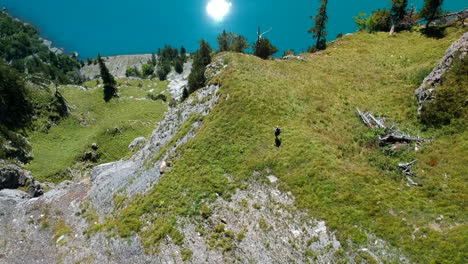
(163, 167)
(137, 143)
(14, 177)
(426, 91)
(95, 146)
(91, 156)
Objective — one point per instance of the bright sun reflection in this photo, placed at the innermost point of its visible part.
(218, 9)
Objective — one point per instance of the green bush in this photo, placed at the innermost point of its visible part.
(288, 52)
(147, 70)
(153, 97)
(380, 20)
(228, 41)
(264, 49)
(132, 72)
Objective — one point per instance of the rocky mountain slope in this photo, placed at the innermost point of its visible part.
(210, 186)
(117, 65)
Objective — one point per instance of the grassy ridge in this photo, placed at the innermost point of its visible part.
(327, 158)
(112, 125)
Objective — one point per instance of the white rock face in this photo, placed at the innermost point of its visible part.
(179, 81)
(117, 65)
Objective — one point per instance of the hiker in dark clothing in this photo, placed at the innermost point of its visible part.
(277, 138)
(277, 131)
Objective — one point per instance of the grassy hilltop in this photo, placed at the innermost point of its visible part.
(328, 158)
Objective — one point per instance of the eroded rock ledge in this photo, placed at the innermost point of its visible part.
(426, 92)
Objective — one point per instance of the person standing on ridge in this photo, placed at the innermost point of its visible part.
(277, 131)
(277, 138)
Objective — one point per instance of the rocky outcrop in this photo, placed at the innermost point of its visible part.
(14, 177)
(142, 171)
(426, 92)
(137, 143)
(117, 65)
(179, 81)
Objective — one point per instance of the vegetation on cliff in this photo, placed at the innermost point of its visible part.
(328, 159)
(21, 46)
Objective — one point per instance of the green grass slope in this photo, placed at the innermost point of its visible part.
(327, 159)
(112, 125)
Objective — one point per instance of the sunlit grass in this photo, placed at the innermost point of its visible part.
(325, 159)
(112, 125)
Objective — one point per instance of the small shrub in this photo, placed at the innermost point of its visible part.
(132, 72)
(147, 70)
(380, 20)
(154, 97)
(240, 236)
(186, 254)
(205, 211)
(219, 228)
(289, 52)
(264, 49)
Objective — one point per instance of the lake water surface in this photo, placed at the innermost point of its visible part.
(114, 27)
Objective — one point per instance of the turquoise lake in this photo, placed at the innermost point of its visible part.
(143, 26)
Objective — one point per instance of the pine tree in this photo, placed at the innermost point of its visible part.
(239, 44)
(202, 58)
(223, 42)
(109, 82)
(183, 54)
(179, 65)
(430, 10)
(398, 12)
(318, 31)
(264, 49)
(153, 59)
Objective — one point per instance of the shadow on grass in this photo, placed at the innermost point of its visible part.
(434, 32)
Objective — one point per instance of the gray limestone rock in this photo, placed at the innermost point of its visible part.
(137, 143)
(426, 91)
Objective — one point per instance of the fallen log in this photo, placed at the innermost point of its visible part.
(406, 168)
(394, 138)
(370, 120)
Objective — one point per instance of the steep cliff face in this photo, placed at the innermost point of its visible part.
(117, 65)
(425, 92)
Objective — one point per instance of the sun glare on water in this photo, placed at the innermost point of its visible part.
(218, 9)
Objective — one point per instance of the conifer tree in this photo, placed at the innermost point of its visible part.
(153, 59)
(179, 65)
(223, 42)
(398, 12)
(202, 58)
(109, 82)
(264, 49)
(430, 10)
(239, 44)
(319, 30)
(183, 54)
